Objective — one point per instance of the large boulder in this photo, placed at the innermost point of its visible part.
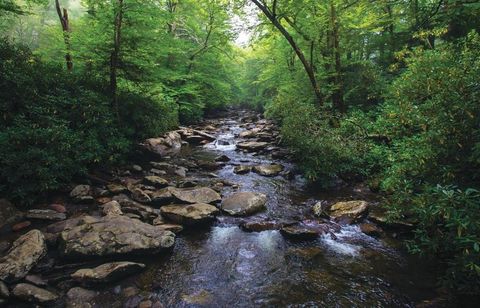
(113, 235)
(196, 195)
(252, 146)
(268, 170)
(171, 142)
(25, 252)
(8, 213)
(244, 203)
(349, 209)
(31, 293)
(191, 214)
(108, 272)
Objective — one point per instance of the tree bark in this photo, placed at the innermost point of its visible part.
(272, 16)
(337, 95)
(115, 55)
(64, 21)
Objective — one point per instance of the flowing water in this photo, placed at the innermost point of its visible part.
(223, 266)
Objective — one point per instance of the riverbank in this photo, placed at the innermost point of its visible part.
(211, 215)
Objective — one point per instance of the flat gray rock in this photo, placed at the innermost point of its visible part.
(244, 203)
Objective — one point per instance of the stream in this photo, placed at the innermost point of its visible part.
(224, 266)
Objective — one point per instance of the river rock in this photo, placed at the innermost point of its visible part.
(196, 195)
(31, 293)
(192, 214)
(113, 235)
(299, 232)
(25, 252)
(21, 225)
(350, 209)
(4, 292)
(319, 209)
(45, 215)
(116, 188)
(108, 272)
(161, 197)
(370, 229)
(140, 196)
(222, 158)
(35, 280)
(112, 208)
(8, 213)
(171, 142)
(268, 170)
(78, 297)
(243, 169)
(59, 208)
(252, 146)
(156, 181)
(170, 227)
(249, 133)
(260, 226)
(82, 194)
(244, 203)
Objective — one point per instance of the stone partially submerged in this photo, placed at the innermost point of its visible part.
(192, 214)
(113, 235)
(25, 252)
(349, 209)
(268, 170)
(244, 203)
(252, 146)
(108, 272)
(170, 143)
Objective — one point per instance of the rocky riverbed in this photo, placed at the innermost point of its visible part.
(214, 215)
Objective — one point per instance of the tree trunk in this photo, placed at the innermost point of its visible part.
(271, 15)
(115, 55)
(337, 95)
(64, 21)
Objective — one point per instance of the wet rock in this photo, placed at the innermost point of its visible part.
(158, 172)
(249, 133)
(196, 195)
(268, 170)
(187, 184)
(259, 226)
(300, 232)
(112, 208)
(127, 203)
(25, 252)
(33, 294)
(244, 203)
(4, 245)
(155, 181)
(370, 229)
(222, 158)
(140, 196)
(381, 219)
(208, 165)
(113, 235)
(194, 139)
(116, 189)
(21, 225)
(242, 169)
(192, 214)
(350, 209)
(169, 143)
(108, 272)
(35, 280)
(45, 215)
(82, 194)
(59, 208)
(8, 213)
(171, 227)
(78, 297)
(161, 197)
(4, 292)
(252, 146)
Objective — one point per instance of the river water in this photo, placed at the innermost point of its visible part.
(223, 266)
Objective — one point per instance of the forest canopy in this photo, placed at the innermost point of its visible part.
(386, 92)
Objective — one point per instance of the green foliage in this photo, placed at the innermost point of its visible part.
(449, 228)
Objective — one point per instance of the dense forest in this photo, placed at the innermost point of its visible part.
(381, 92)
